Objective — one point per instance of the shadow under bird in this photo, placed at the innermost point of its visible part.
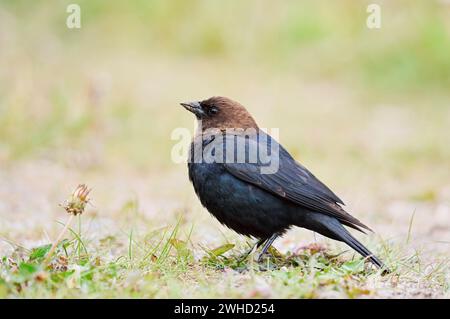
(253, 202)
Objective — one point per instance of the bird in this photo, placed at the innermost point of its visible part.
(261, 205)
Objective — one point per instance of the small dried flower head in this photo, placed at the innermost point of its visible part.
(76, 204)
(81, 192)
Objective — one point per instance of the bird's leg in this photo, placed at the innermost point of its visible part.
(257, 245)
(268, 243)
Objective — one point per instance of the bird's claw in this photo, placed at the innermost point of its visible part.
(262, 255)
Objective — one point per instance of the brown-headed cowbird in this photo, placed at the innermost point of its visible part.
(231, 183)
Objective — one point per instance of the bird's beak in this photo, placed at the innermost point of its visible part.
(194, 107)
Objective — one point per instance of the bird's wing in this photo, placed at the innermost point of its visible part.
(291, 181)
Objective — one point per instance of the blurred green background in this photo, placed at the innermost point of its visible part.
(349, 101)
(114, 85)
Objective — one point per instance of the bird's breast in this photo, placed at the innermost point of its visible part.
(241, 206)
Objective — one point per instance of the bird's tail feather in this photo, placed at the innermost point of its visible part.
(332, 228)
(360, 248)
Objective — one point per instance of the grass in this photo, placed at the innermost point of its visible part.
(161, 264)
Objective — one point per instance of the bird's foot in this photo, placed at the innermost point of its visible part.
(261, 256)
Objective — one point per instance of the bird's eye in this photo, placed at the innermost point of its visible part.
(213, 110)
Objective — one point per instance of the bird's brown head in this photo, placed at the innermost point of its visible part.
(221, 113)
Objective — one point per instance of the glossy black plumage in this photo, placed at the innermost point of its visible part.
(261, 205)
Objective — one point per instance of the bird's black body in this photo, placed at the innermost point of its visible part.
(264, 205)
(239, 205)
